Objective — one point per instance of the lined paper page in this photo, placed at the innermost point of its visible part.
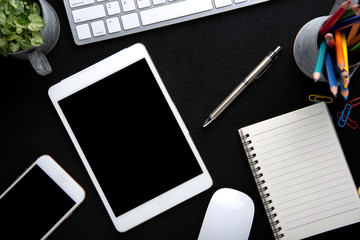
(305, 172)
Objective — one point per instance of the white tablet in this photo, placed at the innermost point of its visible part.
(130, 137)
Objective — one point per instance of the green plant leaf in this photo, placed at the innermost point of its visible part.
(4, 46)
(22, 19)
(5, 31)
(2, 4)
(10, 21)
(14, 47)
(3, 42)
(36, 39)
(16, 7)
(19, 27)
(36, 23)
(2, 18)
(34, 8)
(12, 36)
(4, 51)
(25, 42)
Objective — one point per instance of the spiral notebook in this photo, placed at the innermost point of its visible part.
(301, 173)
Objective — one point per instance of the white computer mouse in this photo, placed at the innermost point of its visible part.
(229, 216)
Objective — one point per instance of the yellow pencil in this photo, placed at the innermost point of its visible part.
(345, 80)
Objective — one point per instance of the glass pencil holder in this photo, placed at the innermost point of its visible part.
(307, 41)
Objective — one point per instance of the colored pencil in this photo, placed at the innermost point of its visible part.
(357, 46)
(331, 74)
(354, 41)
(336, 16)
(345, 77)
(319, 61)
(344, 91)
(345, 23)
(339, 51)
(329, 38)
(354, 30)
(350, 12)
(342, 74)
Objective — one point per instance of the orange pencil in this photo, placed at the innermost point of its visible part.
(354, 41)
(339, 51)
(354, 30)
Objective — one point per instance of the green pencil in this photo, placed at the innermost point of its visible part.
(357, 46)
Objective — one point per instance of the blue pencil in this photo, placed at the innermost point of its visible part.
(344, 91)
(345, 23)
(331, 74)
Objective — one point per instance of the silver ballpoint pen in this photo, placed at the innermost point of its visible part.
(256, 73)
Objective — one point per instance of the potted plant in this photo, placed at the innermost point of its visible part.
(20, 25)
(29, 31)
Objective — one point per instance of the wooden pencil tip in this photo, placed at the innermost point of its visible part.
(316, 76)
(334, 90)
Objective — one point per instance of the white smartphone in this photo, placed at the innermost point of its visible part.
(130, 137)
(39, 201)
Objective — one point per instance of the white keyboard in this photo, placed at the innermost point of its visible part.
(97, 20)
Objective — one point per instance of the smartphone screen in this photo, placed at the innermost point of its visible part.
(33, 206)
(130, 137)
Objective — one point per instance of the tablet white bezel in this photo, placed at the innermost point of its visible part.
(97, 72)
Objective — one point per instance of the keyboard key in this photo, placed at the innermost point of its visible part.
(222, 3)
(113, 7)
(83, 31)
(113, 25)
(130, 21)
(79, 3)
(98, 28)
(239, 1)
(89, 13)
(174, 10)
(143, 3)
(128, 5)
(157, 2)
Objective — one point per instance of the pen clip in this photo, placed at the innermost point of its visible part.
(265, 69)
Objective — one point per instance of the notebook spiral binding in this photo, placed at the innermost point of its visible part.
(261, 185)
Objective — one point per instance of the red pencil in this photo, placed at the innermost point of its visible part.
(337, 14)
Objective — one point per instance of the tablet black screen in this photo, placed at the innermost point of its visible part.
(130, 137)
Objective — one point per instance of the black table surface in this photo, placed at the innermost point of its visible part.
(200, 62)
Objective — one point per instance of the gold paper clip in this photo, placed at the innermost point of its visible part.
(319, 98)
(354, 102)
